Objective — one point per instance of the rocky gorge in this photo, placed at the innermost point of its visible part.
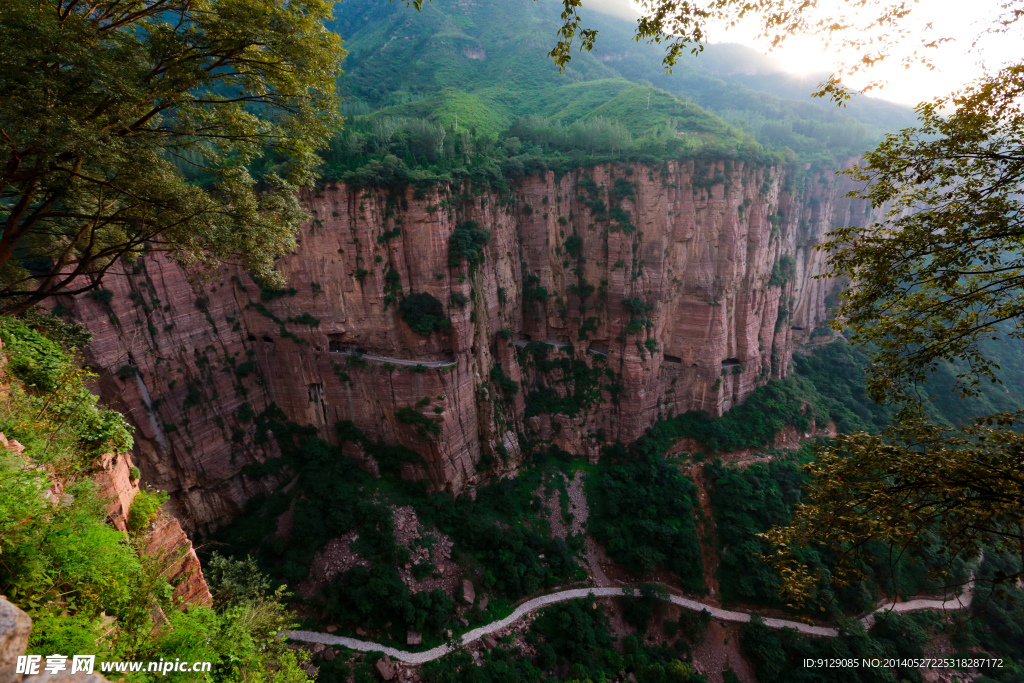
(583, 307)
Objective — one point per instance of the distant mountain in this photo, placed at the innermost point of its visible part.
(484, 64)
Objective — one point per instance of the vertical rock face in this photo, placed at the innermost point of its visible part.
(666, 288)
(113, 476)
(165, 542)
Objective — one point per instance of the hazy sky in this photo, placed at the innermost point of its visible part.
(959, 19)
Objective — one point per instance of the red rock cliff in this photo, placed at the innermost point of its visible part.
(682, 286)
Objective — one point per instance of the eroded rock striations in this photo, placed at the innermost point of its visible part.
(165, 541)
(665, 288)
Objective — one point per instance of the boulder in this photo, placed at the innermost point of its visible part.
(11, 445)
(15, 626)
(468, 594)
(385, 668)
(413, 638)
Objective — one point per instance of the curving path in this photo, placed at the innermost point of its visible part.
(960, 602)
(957, 603)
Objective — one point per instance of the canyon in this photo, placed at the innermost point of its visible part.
(658, 288)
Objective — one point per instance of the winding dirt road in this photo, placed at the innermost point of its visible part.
(957, 603)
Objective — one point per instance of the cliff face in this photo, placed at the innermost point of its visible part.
(678, 287)
(165, 542)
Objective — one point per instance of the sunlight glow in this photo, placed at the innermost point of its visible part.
(955, 63)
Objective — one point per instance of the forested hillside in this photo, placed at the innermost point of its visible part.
(431, 87)
(487, 63)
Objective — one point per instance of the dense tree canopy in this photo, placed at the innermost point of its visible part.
(963, 485)
(176, 125)
(937, 275)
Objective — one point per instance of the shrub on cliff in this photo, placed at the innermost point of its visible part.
(241, 641)
(581, 383)
(782, 271)
(467, 244)
(305, 319)
(145, 507)
(424, 313)
(503, 382)
(636, 306)
(234, 581)
(52, 394)
(425, 427)
(63, 562)
(574, 245)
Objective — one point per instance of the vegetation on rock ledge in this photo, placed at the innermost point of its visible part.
(88, 587)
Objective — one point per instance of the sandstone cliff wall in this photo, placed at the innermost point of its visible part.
(682, 286)
(165, 541)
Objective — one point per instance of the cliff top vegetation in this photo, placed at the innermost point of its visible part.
(481, 77)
